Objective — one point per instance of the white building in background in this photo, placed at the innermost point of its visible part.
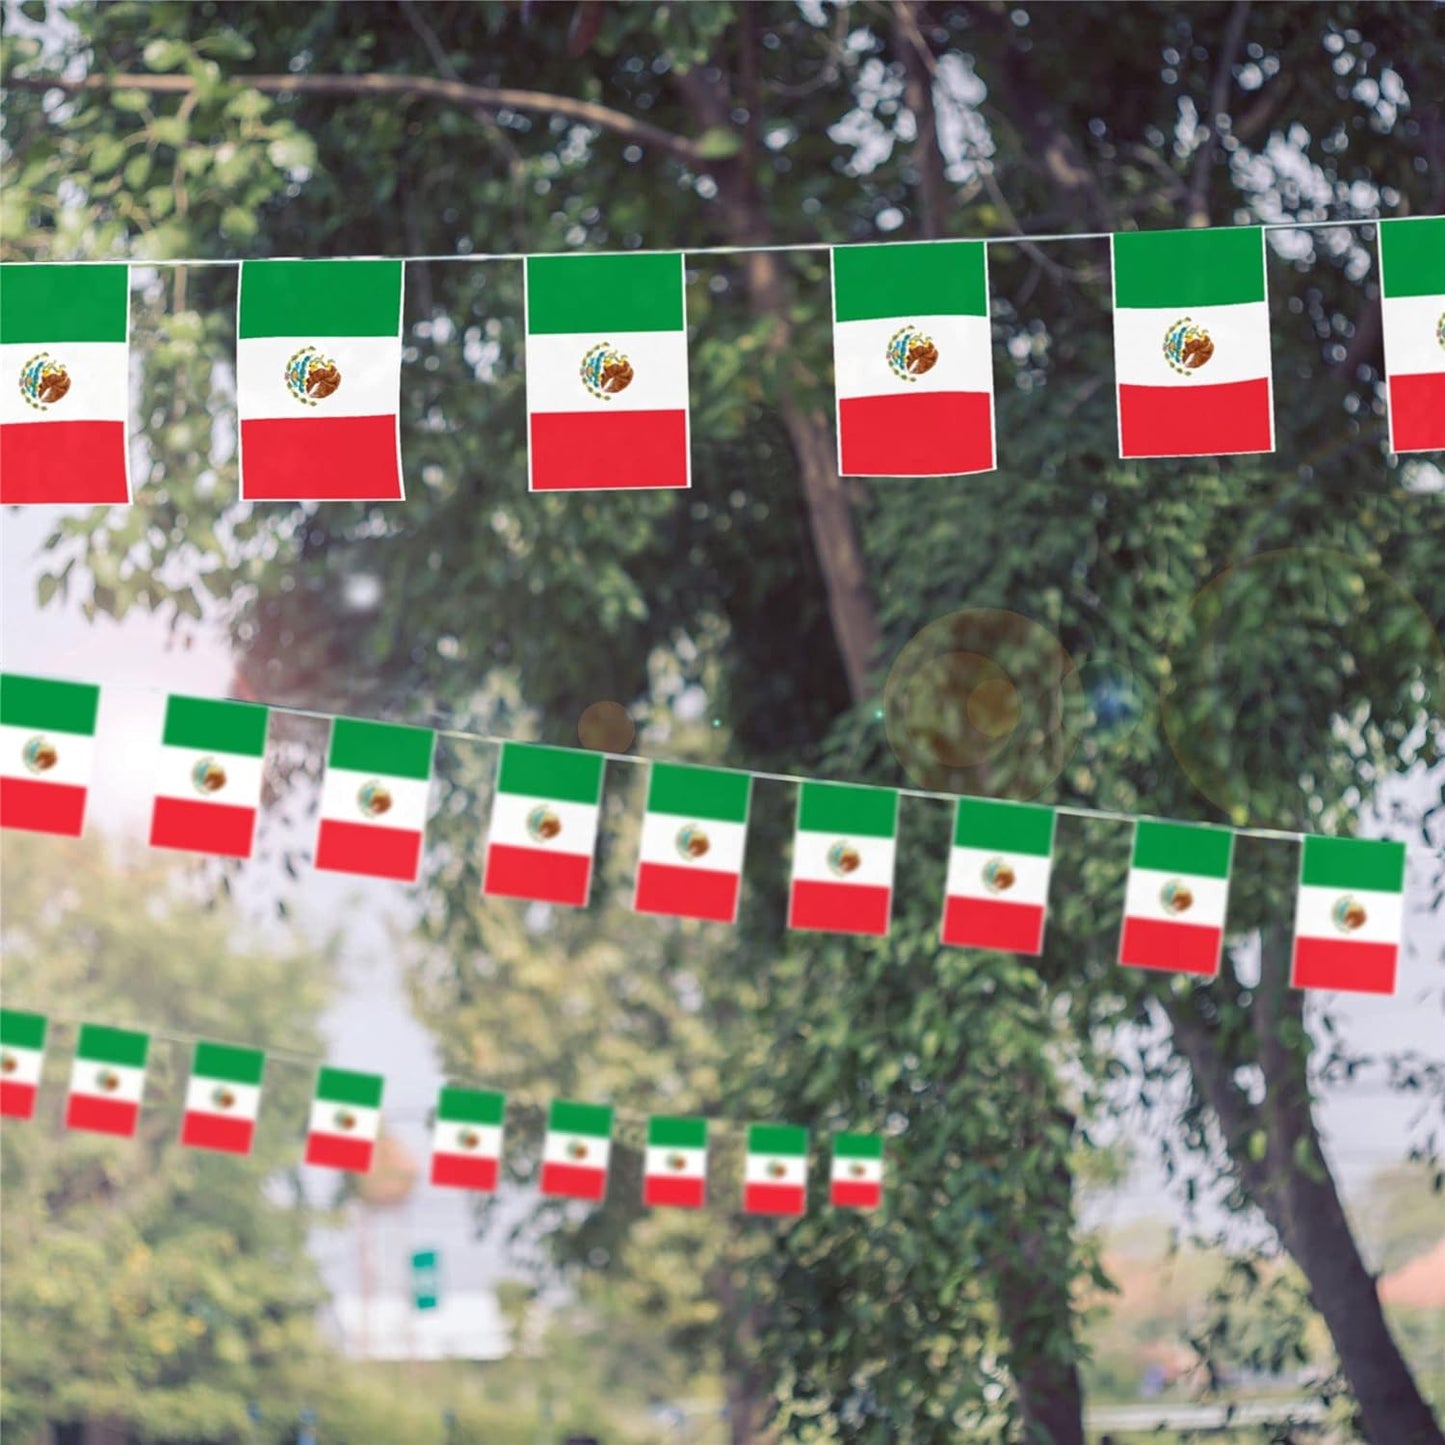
(466, 1326)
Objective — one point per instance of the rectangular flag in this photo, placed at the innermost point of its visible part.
(345, 1120)
(693, 835)
(544, 825)
(22, 1055)
(107, 1080)
(1350, 915)
(47, 742)
(674, 1170)
(318, 381)
(223, 1098)
(576, 1151)
(606, 373)
(209, 787)
(1191, 343)
(843, 858)
(1412, 299)
(776, 1171)
(467, 1138)
(64, 384)
(997, 894)
(913, 359)
(857, 1181)
(1176, 897)
(373, 799)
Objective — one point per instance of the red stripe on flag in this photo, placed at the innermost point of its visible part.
(208, 1131)
(839, 907)
(539, 877)
(220, 828)
(63, 461)
(366, 849)
(1348, 967)
(1176, 947)
(925, 434)
(774, 1198)
(1188, 421)
(678, 892)
(661, 1192)
(454, 1172)
(856, 1196)
(330, 1152)
(42, 807)
(17, 1101)
(623, 450)
(321, 459)
(101, 1116)
(1417, 412)
(987, 923)
(569, 1182)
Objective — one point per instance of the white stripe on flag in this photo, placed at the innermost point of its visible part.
(85, 1079)
(725, 842)
(1411, 343)
(965, 356)
(810, 859)
(843, 1168)
(1384, 915)
(243, 777)
(659, 372)
(370, 368)
(447, 1139)
(759, 1169)
(200, 1100)
(965, 876)
(28, 1065)
(1142, 900)
(658, 1163)
(323, 1121)
(99, 382)
(1240, 334)
(557, 1150)
(74, 756)
(339, 789)
(509, 825)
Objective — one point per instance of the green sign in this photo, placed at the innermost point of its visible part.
(425, 1281)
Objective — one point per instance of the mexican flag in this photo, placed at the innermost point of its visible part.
(544, 825)
(776, 1171)
(64, 384)
(345, 1120)
(1350, 915)
(107, 1080)
(674, 1169)
(373, 799)
(606, 373)
(576, 1150)
(1412, 283)
(47, 739)
(913, 359)
(693, 835)
(467, 1138)
(857, 1181)
(223, 1098)
(1191, 343)
(22, 1055)
(843, 858)
(318, 381)
(209, 786)
(1175, 900)
(997, 892)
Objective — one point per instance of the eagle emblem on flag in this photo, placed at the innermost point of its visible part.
(208, 776)
(692, 842)
(311, 377)
(911, 354)
(606, 372)
(844, 858)
(40, 755)
(1175, 898)
(1187, 346)
(543, 824)
(998, 876)
(1348, 914)
(43, 381)
(373, 799)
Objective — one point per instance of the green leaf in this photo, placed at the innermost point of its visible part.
(292, 152)
(719, 143)
(165, 54)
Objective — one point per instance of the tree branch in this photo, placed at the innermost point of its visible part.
(919, 69)
(1197, 213)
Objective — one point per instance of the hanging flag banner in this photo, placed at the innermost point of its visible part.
(223, 1098)
(1176, 898)
(345, 1120)
(318, 381)
(775, 1179)
(607, 388)
(913, 359)
(1191, 343)
(47, 743)
(467, 1138)
(843, 859)
(1412, 286)
(1350, 915)
(674, 1167)
(997, 893)
(693, 835)
(22, 1056)
(857, 1178)
(64, 384)
(107, 1080)
(576, 1151)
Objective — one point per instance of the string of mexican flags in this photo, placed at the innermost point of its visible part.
(318, 367)
(546, 810)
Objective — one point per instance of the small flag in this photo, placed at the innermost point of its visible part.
(1350, 915)
(318, 381)
(373, 799)
(693, 836)
(223, 1098)
(1412, 283)
(1191, 343)
(998, 876)
(345, 1120)
(47, 742)
(776, 1178)
(913, 359)
(209, 790)
(576, 1151)
(22, 1055)
(606, 373)
(843, 858)
(1175, 900)
(857, 1181)
(544, 825)
(674, 1171)
(467, 1138)
(107, 1080)
(64, 384)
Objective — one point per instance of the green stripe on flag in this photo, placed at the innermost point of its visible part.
(313, 299)
(1412, 256)
(858, 1146)
(665, 1132)
(342, 1086)
(698, 792)
(777, 1139)
(1375, 864)
(561, 775)
(844, 808)
(1182, 848)
(1008, 827)
(224, 1061)
(471, 1106)
(1189, 268)
(222, 727)
(372, 747)
(21, 1030)
(590, 294)
(41, 702)
(567, 1117)
(939, 278)
(42, 305)
(122, 1047)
